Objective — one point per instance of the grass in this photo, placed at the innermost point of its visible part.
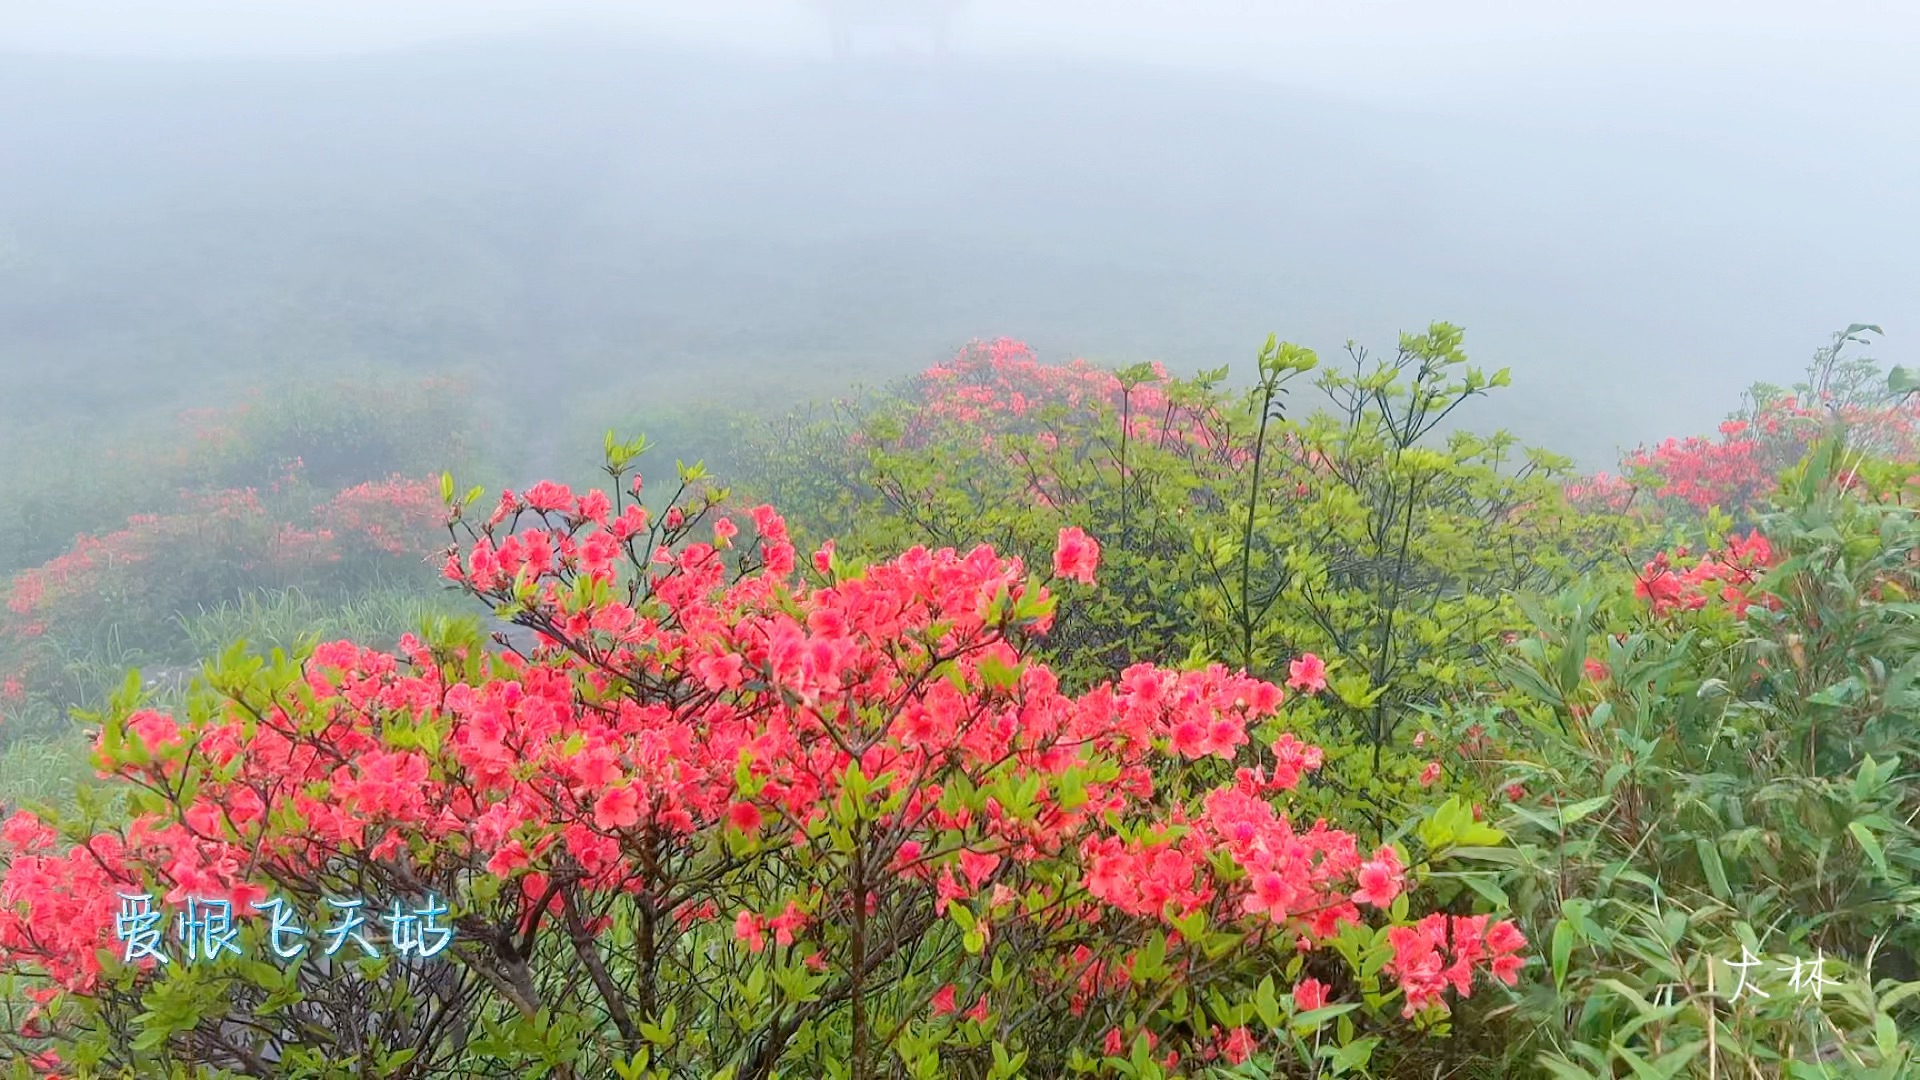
(49, 756)
(283, 618)
(44, 771)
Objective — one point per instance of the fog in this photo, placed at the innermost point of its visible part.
(1640, 209)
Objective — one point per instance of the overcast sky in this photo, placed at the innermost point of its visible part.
(1613, 195)
(1356, 43)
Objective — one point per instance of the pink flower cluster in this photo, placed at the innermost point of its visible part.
(1704, 473)
(1001, 387)
(1601, 493)
(1737, 470)
(395, 516)
(1002, 381)
(1736, 570)
(1427, 958)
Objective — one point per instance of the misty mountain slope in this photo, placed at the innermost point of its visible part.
(558, 218)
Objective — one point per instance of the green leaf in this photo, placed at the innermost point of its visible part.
(1869, 844)
(1308, 1021)
(1528, 681)
(1563, 934)
(1844, 692)
(1354, 1055)
(1576, 811)
(1886, 1035)
(1898, 994)
(1501, 855)
(1476, 835)
(1710, 864)
(995, 673)
(1670, 1064)
(1267, 1004)
(1488, 887)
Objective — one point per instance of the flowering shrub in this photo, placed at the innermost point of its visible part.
(122, 588)
(999, 381)
(1601, 493)
(214, 544)
(723, 819)
(60, 485)
(1735, 571)
(1772, 432)
(911, 805)
(384, 517)
(1001, 387)
(1705, 474)
(122, 592)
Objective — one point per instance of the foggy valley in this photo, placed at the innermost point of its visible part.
(643, 539)
(685, 222)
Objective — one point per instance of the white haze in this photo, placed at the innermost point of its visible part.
(1640, 207)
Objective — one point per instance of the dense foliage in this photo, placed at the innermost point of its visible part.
(1735, 816)
(1233, 531)
(1086, 722)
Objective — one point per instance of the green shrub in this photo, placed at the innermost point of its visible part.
(1720, 767)
(1230, 530)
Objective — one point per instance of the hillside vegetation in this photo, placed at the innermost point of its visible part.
(1018, 718)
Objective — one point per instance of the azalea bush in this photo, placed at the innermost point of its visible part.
(317, 492)
(69, 627)
(1234, 532)
(728, 815)
(62, 485)
(1735, 474)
